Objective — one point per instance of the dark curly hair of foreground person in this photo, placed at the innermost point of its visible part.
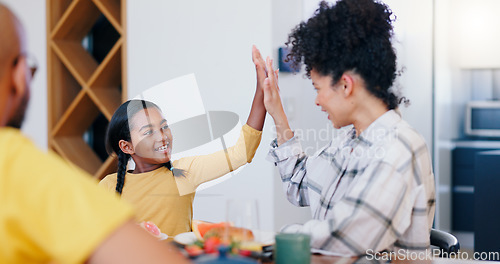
(351, 35)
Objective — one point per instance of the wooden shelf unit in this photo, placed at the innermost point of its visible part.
(82, 87)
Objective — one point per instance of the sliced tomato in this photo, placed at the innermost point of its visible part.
(201, 227)
(211, 244)
(194, 250)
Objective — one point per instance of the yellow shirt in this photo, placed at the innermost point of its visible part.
(166, 200)
(49, 209)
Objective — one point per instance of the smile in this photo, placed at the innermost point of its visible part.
(162, 148)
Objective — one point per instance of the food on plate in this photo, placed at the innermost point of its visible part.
(194, 250)
(151, 228)
(230, 234)
(211, 235)
(223, 230)
(201, 227)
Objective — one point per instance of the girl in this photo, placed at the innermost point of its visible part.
(161, 190)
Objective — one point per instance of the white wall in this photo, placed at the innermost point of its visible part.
(32, 16)
(298, 101)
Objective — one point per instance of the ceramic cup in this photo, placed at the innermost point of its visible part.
(292, 248)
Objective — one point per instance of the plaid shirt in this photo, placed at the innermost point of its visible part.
(369, 193)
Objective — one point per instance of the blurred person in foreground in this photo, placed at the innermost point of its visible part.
(52, 211)
(371, 189)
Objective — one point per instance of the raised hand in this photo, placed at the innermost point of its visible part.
(272, 99)
(272, 102)
(260, 67)
(257, 114)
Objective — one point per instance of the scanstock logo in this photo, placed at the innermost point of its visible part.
(195, 131)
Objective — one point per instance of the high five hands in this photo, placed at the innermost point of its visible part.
(267, 79)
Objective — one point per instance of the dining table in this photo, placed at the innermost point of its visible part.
(466, 258)
(326, 259)
(322, 259)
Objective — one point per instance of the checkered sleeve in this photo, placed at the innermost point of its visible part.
(291, 163)
(371, 216)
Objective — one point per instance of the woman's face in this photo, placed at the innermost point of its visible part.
(151, 138)
(331, 99)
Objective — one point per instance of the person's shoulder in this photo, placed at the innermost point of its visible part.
(408, 135)
(401, 143)
(17, 146)
(12, 136)
(392, 131)
(110, 178)
(109, 182)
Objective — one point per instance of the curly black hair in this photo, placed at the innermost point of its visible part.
(351, 35)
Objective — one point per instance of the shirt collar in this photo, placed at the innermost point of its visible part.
(377, 130)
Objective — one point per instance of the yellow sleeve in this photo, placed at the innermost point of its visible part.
(57, 212)
(200, 169)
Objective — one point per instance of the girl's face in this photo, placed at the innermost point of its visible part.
(151, 139)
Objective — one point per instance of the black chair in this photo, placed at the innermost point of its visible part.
(446, 242)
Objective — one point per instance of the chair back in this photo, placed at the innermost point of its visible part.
(445, 241)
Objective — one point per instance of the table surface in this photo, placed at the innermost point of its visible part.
(379, 259)
(320, 259)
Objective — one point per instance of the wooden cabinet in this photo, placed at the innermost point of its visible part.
(86, 62)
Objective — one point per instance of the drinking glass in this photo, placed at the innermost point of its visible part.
(244, 214)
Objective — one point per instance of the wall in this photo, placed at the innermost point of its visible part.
(298, 101)
(448, 101)
(33, 19)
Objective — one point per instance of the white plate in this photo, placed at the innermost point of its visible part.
(264, 237)
(185, 238)
(163, 236)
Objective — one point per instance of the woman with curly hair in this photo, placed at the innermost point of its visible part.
(371, 188)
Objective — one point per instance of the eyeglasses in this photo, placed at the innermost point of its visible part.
(30, 61)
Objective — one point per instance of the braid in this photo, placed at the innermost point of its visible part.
(175, 171)
(168, 165)
(122, 170)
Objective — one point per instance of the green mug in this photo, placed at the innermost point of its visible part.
(292, 248)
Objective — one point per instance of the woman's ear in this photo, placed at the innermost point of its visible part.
(126, 147)
(347, 82)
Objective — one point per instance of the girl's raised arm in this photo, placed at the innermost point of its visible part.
(258, 111)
